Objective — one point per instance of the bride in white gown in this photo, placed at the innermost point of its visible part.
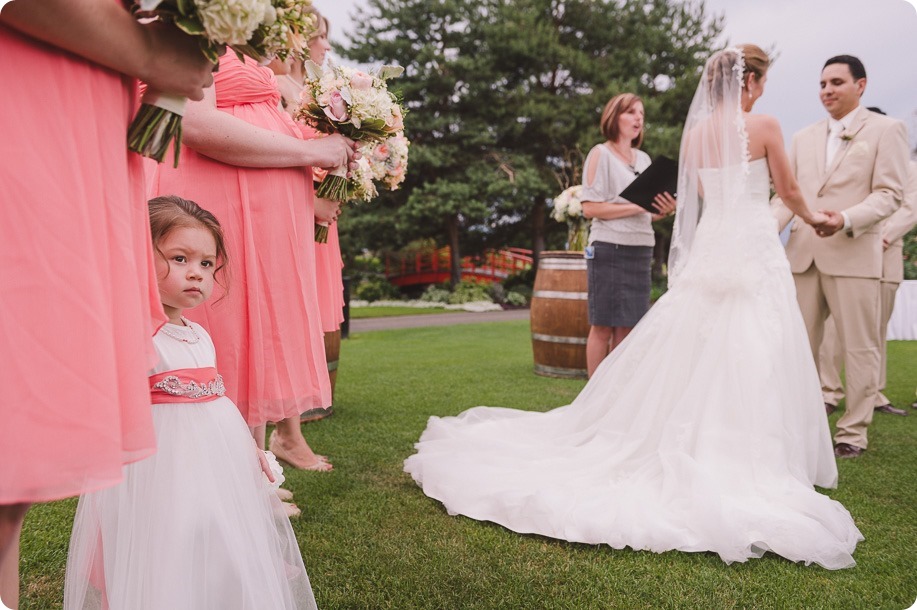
(704, 430)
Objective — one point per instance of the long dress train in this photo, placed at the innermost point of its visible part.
(703, 431)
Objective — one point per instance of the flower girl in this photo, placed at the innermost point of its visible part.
(196, 526)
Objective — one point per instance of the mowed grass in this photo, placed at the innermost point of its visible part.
(372, 540)
(388, 312)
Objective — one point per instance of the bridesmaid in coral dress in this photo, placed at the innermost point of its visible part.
(76, 265)
(244, 159)
(328, 261)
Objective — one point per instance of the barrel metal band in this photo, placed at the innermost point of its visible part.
(333, 366)
(560, 294)
(563, 264)
(556, 371)
(559, 339)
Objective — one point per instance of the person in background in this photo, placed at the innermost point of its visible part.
(894, 228)
(854, 165)
(620, 250)
(328, 261)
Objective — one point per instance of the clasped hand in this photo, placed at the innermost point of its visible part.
(826, 222)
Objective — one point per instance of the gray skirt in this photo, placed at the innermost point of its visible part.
(619, 283)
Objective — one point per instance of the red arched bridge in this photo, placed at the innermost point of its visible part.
(434, 266)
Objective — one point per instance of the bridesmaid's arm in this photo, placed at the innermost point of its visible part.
(102, 31)
(228, 139)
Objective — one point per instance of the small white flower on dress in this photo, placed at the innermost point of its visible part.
(173, 385)
(276, 470)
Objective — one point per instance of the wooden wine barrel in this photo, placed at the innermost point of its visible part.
(332, 356)
(559, 315)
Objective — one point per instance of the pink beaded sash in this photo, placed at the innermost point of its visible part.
(186, 385)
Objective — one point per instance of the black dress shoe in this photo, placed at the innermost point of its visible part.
(829, 408)
(845, 450)
(890, 410)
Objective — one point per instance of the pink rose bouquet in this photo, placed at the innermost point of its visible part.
(389, 160)
(260, 29)
(353, 103)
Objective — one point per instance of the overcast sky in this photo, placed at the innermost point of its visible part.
(882, 33)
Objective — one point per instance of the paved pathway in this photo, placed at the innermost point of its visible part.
(436, 319)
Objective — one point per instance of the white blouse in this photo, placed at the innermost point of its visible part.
(611, 177)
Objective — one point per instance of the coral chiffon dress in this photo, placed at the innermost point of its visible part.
(329, 268)
(266, 327)
(77, 281)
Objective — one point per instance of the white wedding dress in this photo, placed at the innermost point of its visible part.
(703, 431)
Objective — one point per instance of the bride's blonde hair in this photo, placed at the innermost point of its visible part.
(756, 61)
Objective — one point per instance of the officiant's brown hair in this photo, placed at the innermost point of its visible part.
(615, 107)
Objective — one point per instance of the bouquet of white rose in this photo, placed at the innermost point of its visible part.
(353, 103)
(260, 29)
(568, 207)
(389, 160)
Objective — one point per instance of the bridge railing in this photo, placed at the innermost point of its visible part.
(432, 266)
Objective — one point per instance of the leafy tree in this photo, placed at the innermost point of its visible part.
(505, 97)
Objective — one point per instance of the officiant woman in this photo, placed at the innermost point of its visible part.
(619, 254)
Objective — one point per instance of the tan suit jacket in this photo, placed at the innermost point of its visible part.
(896, 226)
(866, 180)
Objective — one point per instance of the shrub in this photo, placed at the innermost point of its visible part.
(496, 292)
(910, 255)
(435, 294)
(516, 299)
(519, 279)
(375, 289)
(468, 291)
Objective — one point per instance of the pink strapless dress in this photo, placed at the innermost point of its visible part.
(77, 281)
(267, 327)
(329, 275)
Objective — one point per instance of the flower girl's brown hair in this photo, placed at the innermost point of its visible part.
(171, 212)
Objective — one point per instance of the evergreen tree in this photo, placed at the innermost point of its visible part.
(505, 97)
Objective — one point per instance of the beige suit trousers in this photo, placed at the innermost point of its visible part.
(831, 358)
(854, 304)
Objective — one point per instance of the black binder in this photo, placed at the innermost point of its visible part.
(660, 177)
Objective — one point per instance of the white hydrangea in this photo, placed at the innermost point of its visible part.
(568, 205)
(232, 21)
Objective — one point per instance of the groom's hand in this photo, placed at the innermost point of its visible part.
(833, 224)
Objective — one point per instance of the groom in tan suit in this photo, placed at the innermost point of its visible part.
(894, 228)
(852, 167)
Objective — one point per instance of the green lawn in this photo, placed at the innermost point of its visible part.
(372, 540)
(387, 312)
